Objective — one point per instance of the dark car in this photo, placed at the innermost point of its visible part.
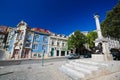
(87, 54)
(115, 53)
(73, 56)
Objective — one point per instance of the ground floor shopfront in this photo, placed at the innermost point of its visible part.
(28, 54)
(58, 52)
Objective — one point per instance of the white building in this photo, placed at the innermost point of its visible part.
(58, 45)
(3, 35)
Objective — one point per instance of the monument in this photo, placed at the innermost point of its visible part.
(99, 67)
(101, 42)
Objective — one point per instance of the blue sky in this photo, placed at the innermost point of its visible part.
(59, 16)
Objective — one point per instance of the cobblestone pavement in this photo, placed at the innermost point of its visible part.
(30, 61)
(50, 71)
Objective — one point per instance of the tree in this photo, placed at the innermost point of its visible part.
(91, 36)
(111, 25)
(77, 41)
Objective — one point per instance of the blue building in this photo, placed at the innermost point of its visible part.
(40, 44)
(24, 42)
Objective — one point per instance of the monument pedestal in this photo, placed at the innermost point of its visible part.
(101, 57)
(98, 57)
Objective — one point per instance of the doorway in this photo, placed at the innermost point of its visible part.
(57, 52)
(62, 53)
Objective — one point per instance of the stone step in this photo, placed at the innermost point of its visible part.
(110, 66)
(86, 66)
(74, 74)
(83, 70)
(88, 70)
(88, 73)
(79, 73)
(92, 63)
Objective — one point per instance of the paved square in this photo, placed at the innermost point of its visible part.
(49, 71)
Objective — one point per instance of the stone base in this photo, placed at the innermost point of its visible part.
(86, 69)
(98, 57)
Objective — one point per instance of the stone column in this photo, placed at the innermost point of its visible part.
(98, 26)
(59, 52)
(102, 40)
(65, 53)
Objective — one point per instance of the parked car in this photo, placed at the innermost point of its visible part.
(87, 54)
(73, 56)
(115, 53)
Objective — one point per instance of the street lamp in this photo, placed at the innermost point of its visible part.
(43, 55)
(67, 53)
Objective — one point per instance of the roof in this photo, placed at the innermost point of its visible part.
(3, 29)
(41, 30)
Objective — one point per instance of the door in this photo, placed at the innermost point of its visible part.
(52, 52)
(57, 52)
(62, 53)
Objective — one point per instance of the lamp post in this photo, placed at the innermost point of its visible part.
(43, 55)
(66, 54)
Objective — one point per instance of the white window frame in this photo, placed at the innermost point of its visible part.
(36, 47)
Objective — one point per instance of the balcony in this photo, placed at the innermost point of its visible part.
(2, 36)
(7, 43)
(7, 46)
(28, 45)
(1, 40)
(36, 40)
(29, 37)
(28, 40)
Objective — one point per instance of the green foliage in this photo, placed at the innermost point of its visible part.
(111, 25)
(91, 36)
(76, 40)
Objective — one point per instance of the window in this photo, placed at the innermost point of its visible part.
(36, 38)
(52, 42)
(37, 35)
(58, 43)
(35, 55)
(20, 37)
(16, 52)
(35, 46)
(1, 36)
(45, 39)
(28, 38)
(27, 44)
(43, 47)
(63, 44)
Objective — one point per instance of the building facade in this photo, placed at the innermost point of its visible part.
(15, 41)
(40, 42)
(23, 42)
(3, 36)
(10, 42)
(58, 45)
